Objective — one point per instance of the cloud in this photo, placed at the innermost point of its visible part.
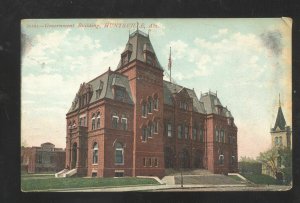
(273, 41)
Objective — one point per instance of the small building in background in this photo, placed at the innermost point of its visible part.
(45, 158)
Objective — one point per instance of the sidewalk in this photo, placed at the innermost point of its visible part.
(138, 188)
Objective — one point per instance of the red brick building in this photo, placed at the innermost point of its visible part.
(130, 122)
(45, 158)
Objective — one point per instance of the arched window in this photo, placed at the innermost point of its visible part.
(150, 105)
(186, 132)
(179, 128)
(201, 132)
(221, 158)
(124, 122)
(217, 135)
(119, 153)
(150, 129)
(115, 120)
(222, 136)
(155, 126)
(232, 160)
(98, 120)
(155, 103)
(95, 153)
(144, 109)
(93, 121)
(144, 134)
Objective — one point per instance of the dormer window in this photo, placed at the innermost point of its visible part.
(99, 90)
(119, 93)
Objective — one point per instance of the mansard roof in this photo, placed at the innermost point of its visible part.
(138, 42)
(171, 88)
(105, 83)
(211, 102)
(280, 121)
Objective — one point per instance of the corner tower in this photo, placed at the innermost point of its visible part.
(145, 75)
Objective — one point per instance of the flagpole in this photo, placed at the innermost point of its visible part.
(170, 66)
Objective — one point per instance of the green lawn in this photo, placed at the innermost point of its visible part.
(261, 179)
(35, 184)
(235, 178)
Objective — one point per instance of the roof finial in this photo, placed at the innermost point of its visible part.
(279, 101)
(137, 25)
(129, 32)
(216, 93)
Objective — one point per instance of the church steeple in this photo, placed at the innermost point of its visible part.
(280, 120)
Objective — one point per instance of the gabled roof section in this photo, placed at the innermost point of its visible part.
(104, 84)
(138, 42)
(280, 121)
(171, 88)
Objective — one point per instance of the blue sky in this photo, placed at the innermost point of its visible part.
(247, 61)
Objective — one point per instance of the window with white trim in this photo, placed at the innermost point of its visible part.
(169, 126)
(95, 153)
(155, 105)
(119, 153)
(186, 132)
(156, 127)
(124, 122)
(93, 121)
(150, 101)
(144, 134)
(98, 120)
(217, 135)
(144, 109)
(115, 120)
(221, 159)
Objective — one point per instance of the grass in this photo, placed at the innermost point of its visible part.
(235, 178)
(36, 184)
(261, 179)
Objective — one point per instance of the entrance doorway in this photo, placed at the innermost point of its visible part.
(74, 155)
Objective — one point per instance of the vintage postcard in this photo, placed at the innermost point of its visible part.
(156, 105)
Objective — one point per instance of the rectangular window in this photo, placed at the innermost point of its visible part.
(180, 131)
(98, 121)
(93, 123)
(124, 123)
(144, 110)
(144, 162)
(155, 162)
(115, 120)
(217, 135)
(222, 136)
(194, 134)
(201, 135)
(156, 127)
(169, 130)
(119, 156)
(149, 162)
(120, 94)
(144, 134)
(186, 132)
(150, 106)
(156, 103)
(150, 130)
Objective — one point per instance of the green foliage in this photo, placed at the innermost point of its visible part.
(247, 159)
(35, 184)
(252, 167)
(269, 159)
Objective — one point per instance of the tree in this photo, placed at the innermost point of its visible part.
(270, 159)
